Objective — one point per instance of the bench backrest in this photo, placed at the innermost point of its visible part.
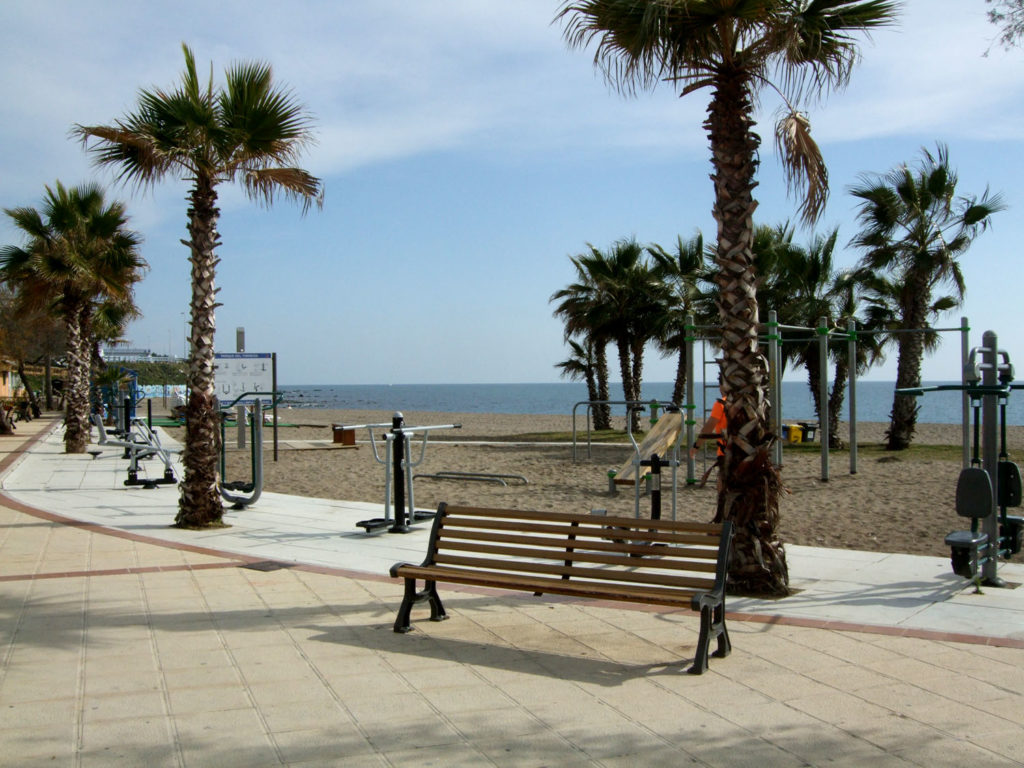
(582, 547)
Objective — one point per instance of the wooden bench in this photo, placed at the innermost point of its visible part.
(657, 562)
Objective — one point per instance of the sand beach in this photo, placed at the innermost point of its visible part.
(895, 502)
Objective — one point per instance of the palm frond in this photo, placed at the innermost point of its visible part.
(802, 164)
(264, 183)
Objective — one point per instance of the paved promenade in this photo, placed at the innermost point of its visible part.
(126, 642)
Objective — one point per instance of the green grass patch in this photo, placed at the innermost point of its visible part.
(602, 436)
(869, 451)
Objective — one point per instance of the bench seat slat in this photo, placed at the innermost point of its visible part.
(568, 517)
(601, 574)
(600, 530)
(659, 557)
(650, 595)
(608, 541)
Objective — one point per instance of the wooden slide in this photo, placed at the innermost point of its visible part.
(659, 440)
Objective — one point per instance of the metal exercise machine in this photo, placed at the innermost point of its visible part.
(398, 465)
(140, 442)
(992, 483)
(242, 493)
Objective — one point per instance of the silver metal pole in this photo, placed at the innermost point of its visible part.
(775, 382)
(989, 451)
(690, 407)
(823, 395)
(851, 346)
(240, 409)
(965, 420)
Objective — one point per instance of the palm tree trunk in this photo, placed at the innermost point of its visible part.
(910, 346)
(679, 387)
(200, 504)
(835, 403)
(76, 413)
(748, 484)
(637, 373)
(626, 371)
(603, 413)
(48, 381)
(33, 401)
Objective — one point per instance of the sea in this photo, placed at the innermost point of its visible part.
(874, 399)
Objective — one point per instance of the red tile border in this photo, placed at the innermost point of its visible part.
(118, 571)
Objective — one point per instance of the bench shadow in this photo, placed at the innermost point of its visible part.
(583, 669)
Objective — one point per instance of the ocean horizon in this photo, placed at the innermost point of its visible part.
(874, 399)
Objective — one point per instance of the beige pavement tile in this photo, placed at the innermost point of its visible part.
(506, 722)
(479, 697)
(840, 710)
(200, 676)
(901, 697)
(893, 732)
(455, 675)
(310, 689)
(953, 752)
(389, 708)
(956, 718)
(173, 658)
(45, 714)
(448, 756)
(118, 706)
(847, 677)
(33, 745)
(327, 745)
(306, 715)
(410, 732)
(783, 685)
(128, 742)
(1009, 706)
(115, 681)
(749, 751)
(208, 699)
(363, 681)
(534, 751)
(228, 739)
(1005, 742)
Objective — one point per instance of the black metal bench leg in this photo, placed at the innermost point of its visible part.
(724, 644)
(402, 621)
(437, 612)
(700, 660)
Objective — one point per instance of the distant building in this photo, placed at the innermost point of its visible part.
(125, 354)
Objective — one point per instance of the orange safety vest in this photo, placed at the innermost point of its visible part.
(721, 423)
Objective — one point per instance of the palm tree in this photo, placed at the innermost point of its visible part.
(684, 271)
(914, 228)
(78, 254)
(247, 131)
(578, 306)
(735, 47)
(631, 305)
(580, 366)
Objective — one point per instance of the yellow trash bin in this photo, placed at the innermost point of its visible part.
(796, 433)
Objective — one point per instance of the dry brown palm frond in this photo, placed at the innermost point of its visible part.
(802, 163)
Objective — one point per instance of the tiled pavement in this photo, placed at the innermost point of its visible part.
(123, 642)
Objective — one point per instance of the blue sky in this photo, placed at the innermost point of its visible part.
(466, 154)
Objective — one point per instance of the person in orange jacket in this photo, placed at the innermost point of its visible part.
(714, 428)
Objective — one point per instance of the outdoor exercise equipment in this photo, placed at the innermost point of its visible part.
(992, 483)
(140, 442)
(398, 465)
(483, 477)
(242, 493)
